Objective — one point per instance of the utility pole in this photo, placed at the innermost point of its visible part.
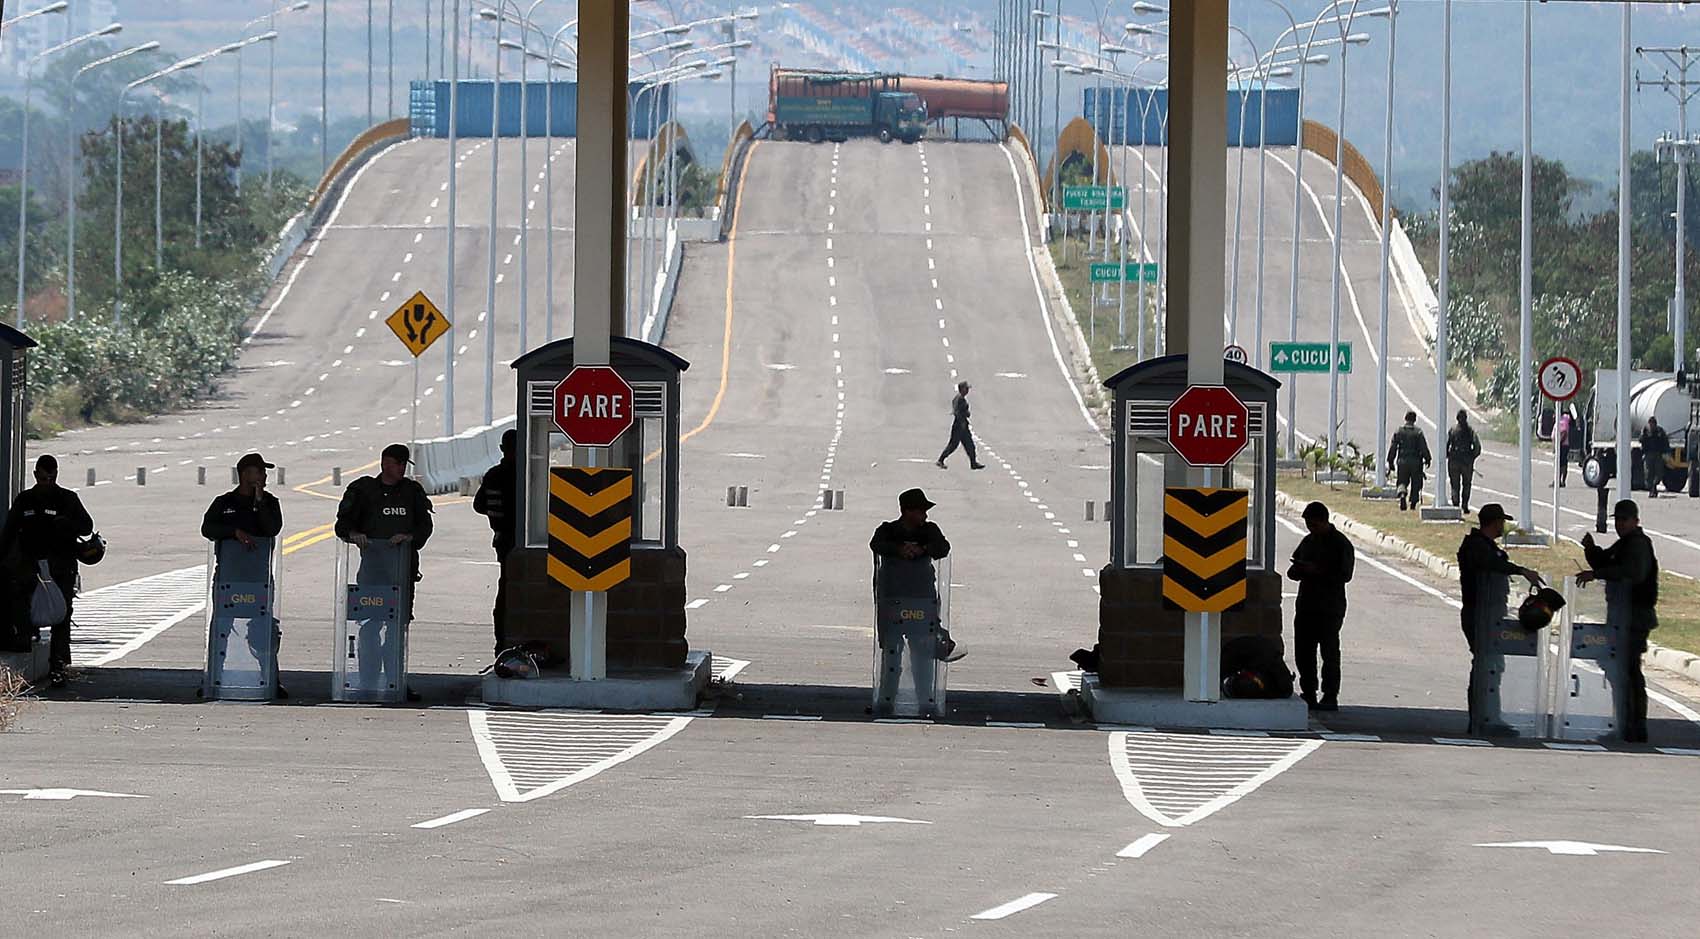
(1678, 150)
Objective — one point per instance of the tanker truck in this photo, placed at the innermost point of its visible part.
(1651, 394)
(816, 105)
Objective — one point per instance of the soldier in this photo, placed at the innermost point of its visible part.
(1630, 562)
(243, 515)
(1655, 443)
(1322, 564)
(392, 508)
(1480, 555)
(1462, 449)
(1409, 455)
(495, 501)
(44, 524)
(905, 549)
(960, 435)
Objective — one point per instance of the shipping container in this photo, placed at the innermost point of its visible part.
(428, 108)
(1125, 106)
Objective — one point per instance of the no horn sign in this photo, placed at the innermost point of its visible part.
(593, 405)
(1208, 425)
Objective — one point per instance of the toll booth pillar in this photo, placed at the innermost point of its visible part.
(23, 651)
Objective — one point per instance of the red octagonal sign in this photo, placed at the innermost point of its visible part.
(593, 405)
(1208, 425)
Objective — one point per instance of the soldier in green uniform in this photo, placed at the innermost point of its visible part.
(1408, 454)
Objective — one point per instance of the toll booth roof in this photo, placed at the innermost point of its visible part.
(1171, 370)
(621, 350)
(13, 338)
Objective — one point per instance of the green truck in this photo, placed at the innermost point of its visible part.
(812, 105)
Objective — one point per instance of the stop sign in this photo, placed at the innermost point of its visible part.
(593, 405)
(1208, 425)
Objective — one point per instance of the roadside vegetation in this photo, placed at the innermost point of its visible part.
(14, 698)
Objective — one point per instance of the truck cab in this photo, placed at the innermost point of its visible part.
(901, 115)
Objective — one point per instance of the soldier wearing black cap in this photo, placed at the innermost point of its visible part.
(44, 524)
(906, 547)
(495, 501)
(387, 507)
(1631, 563)
(1479, 555)
(243, 515)
(1322, 564)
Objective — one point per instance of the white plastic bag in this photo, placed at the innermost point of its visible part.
(47, 606)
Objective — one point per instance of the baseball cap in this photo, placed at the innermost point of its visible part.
(1626, 508)
(397, 452)
(1492, 512)
(1316, 510)
(913, 499)
(253, 459)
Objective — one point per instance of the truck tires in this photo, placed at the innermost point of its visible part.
(813, 134)
(885, 135)
(1594, 471)
(1676, 480)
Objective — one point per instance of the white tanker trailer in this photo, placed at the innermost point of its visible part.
(1651, 394)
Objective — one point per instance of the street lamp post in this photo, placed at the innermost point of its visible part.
(71, 160)
(24, 147)
(271, 83)
(449, 225)
(1334, 422)
(1386, 246)
(1445, 261)
(118, 186)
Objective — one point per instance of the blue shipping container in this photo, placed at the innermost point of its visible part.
(428, 108)
(1135, 116)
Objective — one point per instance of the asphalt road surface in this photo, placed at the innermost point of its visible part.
(859, 283)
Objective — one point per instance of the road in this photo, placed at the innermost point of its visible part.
(859, 282)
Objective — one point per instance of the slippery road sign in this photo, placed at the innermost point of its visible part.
(418, 323)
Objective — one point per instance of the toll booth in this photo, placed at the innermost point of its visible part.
(646, 614)
(1141, 643)
(911, 638)
(1565, 681)
(14, 358)
(242, 618)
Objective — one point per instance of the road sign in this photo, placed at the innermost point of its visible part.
(1236, 354)
(1307, 357)
(1105, 272)
(1204, 549)
(1560, 378)
(1093, 198)
(1207, 425)
(590, 526)
(418, 323)
(593, 405)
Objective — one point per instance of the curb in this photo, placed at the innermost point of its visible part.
(1686, 664)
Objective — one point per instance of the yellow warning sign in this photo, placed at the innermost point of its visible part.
(418, 323)
(1204, 549)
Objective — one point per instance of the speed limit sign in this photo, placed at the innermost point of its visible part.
(1560, 378)
(1236, 354)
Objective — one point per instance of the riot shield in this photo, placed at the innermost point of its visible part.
(242, 617)
(374, 605)
(911, 621)
(1507, 668)
(1589, 697)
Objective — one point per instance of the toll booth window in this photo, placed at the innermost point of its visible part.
(1142, 505)
(652, 480)
(547, 448)
(1246, 472)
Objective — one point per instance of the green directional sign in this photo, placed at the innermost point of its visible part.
(1105, 273)
(1307, 357)
(1093, 198)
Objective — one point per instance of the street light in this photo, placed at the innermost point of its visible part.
(24, 150)
(71, 158)
(118, 185)
(270, 36)
(200, 107)
(58, 7)
(495, 164)
(271, 85)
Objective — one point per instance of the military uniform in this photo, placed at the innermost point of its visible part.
(44, 524)
(1462, 449)
(1409, 455)
(495, 500)
(380, 512)
(1631, 563)
(1655, 443)
(1320, 611)
(897, 579)
(260, 516)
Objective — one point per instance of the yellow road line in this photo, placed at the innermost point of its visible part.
(306, 489)
(731, 267)
(321, 536)
(303, 534)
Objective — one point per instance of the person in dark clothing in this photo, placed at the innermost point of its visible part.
(1484, 565)
(44, 524)
(1655, 443)
(386, 509)
(244, 517)
(1629, 565)
(1408, 454)
(495, 501)
(905, 549)
(960, 435)
(1462, 449)
(1322, 564)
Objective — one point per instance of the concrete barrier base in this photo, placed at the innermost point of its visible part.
(1162, 707)
(32, 666)
(642, 689)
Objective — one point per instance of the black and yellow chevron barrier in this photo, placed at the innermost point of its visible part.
(1204, 549)
(590, 526)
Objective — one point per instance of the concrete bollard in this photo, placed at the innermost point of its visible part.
(1089, 517)
(336, 475)
(91, 475)
(141, 476)
(235, 477)
(731, 497)
(743, 497)
(838, 501)
(200, 476)
(280, 477)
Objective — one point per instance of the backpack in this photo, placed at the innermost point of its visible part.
(1252, 667)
